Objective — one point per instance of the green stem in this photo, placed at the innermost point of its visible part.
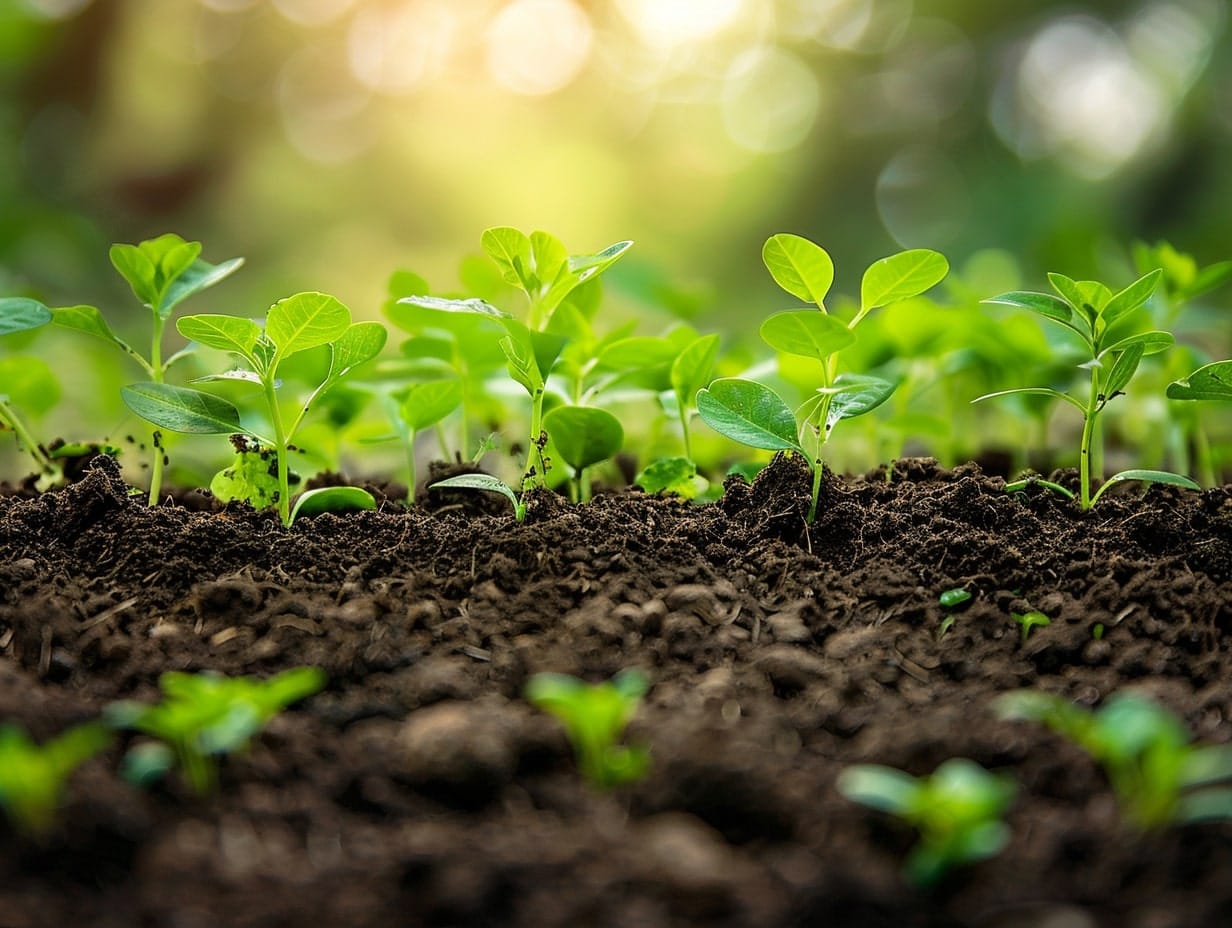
(1204, 460)
(280, 448)
(684, 430)
(157, 374)
(1084, 458)
(409, 446)
(9, 419)
(534, 475)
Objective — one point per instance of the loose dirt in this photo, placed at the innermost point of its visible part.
(419, 788)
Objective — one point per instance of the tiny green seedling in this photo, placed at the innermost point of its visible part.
(957, 811)
(951, 601)
(203, 716)
(595, 717)
(298, 323)
(752, 414)
(162, 272)
(1092, 312)
(1159, 777)
(32, 776)
(583, 436)
(1029, 620)
(541, 268)
(18, 314)
(485, 482)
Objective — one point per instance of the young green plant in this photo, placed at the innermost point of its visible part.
(958, 812)
(753, 414)
(583, 436)
(203, 716)
(298, 323)
(540, 267)
(595, 717)
(1159, 777)
(1029, 620)
(1091, 311)
(32, 776)
(162, 273)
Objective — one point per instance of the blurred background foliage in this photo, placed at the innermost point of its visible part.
(331, 142)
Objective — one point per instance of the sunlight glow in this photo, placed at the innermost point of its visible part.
(312, 12)
(397, 49)
(666, 23)
(538, 47)
(770, 100)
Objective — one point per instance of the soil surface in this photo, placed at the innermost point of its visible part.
(419, 788)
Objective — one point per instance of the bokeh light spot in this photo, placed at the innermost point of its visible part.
(770, 100)
(538, 47)
(312, 12)
(666, 23)
(56, 9)
(922, 198)
(398, 49)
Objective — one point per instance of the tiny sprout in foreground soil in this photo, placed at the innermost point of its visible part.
(951, 600)
(1159, 777)
(595, 717)
(1029, 620)
(203, 716)
(957, 811)
(485, 482)
(32, 776)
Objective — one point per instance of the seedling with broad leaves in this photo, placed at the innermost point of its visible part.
(595, 717)
(1159, 777)
(1092, 312)
(958, 812)
(204, 716)
(298, 323)
(542, 269)
(162, 272)
(755, 415)
(32, 776)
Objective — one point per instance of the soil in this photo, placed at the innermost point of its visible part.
(419, 788)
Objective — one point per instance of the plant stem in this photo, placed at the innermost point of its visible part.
(280, 448)
(1204, 461)
(157, 374)
(409, 447)
(684, 430)
(9, 419)
(535, 473)
(1084, 458)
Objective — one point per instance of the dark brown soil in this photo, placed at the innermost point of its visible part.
(420, 789)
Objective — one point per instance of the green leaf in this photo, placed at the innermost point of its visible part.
(1131, 297)
(589, 266)
(511, 250)
(674, 476)
(799, 266)
(901, 276)
(878, 787)
(1151, 342)
(856, 396)
(1151, 476)
(251, 478)
(693, 367)
(440, 304)
(583, 435)
(305, 320)
(807, 333)
(750, 413)
(153, 268)
(1045, 304)
(181, 409)
(17, 314)
(1033, 391)
(639, 353)
(226, 333)
(1209, 382)
(199, 276)
(136, 267)
(549, 260)
(1123, 369)
(332, 499)
(426, 404)
(1069, 289)
(362, 341)
(480, 482)
(85, 319)
(29, 383)
(1208, 279)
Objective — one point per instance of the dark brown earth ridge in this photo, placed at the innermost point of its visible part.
(419, 788)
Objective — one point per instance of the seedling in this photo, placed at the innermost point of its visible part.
(489, 483)
(674, 476)
(1159, 777)
(32, 777)
(162, 272)
(18, 314)
(1029, 620)
(957, 811)
(203, 716)
(752, 414)
(540, 267)
(595, 717)
(1091, 311)
(298, 323)
(951, 600)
